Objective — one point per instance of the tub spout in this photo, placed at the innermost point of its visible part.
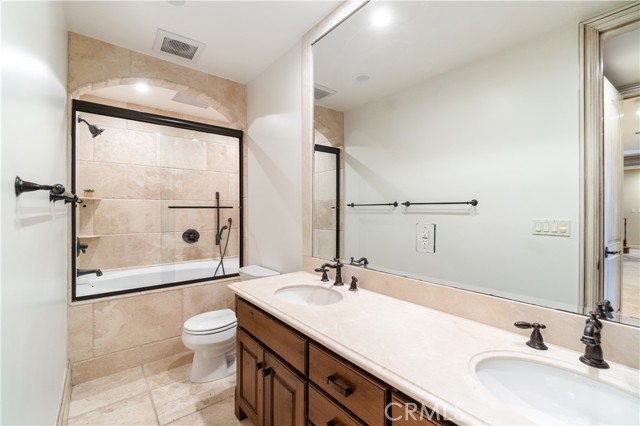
(81, 272)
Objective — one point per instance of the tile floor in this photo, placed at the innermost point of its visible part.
(157, 393)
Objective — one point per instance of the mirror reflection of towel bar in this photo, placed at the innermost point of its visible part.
(394, 204)
(473, 202)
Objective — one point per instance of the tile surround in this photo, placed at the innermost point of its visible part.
(131, 322)
(123, 332)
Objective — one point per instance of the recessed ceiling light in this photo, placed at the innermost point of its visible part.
(142, 87)
(194, 140)
(362, 78)
(380, 18)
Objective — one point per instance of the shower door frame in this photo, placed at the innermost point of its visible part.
(127, 114)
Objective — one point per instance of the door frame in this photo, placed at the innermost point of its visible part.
(591, 148)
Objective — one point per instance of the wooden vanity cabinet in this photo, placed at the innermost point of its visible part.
(249, 383)
(270, 381)
(284, 394)
(404, 411)
(323, 411)
(356, 390)
(284, 379)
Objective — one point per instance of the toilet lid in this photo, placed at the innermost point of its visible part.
(211, 322)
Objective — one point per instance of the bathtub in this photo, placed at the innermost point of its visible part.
(127, 279)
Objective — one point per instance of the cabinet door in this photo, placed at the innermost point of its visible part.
(404, 411)
(249, 383)
(284, 395)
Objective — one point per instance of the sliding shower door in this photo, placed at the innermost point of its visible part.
(326, 202)
(161, 201)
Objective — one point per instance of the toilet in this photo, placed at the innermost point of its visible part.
(212, 336)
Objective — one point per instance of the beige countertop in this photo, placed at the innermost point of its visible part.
(427, 354)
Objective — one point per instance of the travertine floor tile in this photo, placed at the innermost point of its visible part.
(168, 370)
(182, 398)
(219, 414)
(131, 411)
(101, 392)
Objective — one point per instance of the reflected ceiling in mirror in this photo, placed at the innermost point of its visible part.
(454, 101)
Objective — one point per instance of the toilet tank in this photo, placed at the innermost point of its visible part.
(251, 272)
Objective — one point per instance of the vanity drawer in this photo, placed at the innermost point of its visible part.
(288, 344)
(359, 393)
(323, 411)
(404, 411)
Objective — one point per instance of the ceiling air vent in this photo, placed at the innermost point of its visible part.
(320, 92)
(177, 45)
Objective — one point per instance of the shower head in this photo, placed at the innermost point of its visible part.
(95, 130)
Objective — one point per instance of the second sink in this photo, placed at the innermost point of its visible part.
(308, 295)
(550, 395)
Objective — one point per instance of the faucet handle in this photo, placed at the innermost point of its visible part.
(324, 270)
(535, 341)
(353, 286)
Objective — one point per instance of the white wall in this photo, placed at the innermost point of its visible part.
(34, 231)
(503, 131)
(274, 114)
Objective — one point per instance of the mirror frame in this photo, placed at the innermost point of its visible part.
(591, 147)
(129, 114)
(591, 277)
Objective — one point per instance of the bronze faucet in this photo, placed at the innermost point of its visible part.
(593, 355)
(337, 266)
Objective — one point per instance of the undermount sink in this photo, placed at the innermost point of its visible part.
(547, 394)
(308, 295)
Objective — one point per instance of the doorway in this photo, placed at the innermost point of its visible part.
(611, 61)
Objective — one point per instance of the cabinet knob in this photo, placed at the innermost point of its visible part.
(338, 384)
(333, 422)
(259, 365)
(266, 372)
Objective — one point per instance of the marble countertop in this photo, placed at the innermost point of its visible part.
(426, 354)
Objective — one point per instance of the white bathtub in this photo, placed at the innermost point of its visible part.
(127, 279)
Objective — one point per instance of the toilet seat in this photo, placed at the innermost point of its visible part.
(211, 322)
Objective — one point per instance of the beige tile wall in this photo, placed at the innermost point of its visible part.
(138, 170)
(118, 333)
(329, 131)
(121, 332)
(94, 64)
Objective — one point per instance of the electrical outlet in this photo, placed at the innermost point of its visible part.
(426, 237)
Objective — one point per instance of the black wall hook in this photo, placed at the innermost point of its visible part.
(24, 186)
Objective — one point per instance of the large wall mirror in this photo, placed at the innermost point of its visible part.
(461, 145)
(161, 201)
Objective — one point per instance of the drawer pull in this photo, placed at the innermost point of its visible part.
(266, 372)
(339, 385)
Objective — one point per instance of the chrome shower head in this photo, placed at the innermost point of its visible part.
(95, 130)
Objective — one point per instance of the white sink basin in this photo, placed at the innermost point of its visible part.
(551, 395)
(308, 295)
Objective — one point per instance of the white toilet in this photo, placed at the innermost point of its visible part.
(212, 336)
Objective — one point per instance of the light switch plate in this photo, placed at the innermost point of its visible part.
(552, 227)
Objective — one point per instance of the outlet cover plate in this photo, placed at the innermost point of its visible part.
(426, 237)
